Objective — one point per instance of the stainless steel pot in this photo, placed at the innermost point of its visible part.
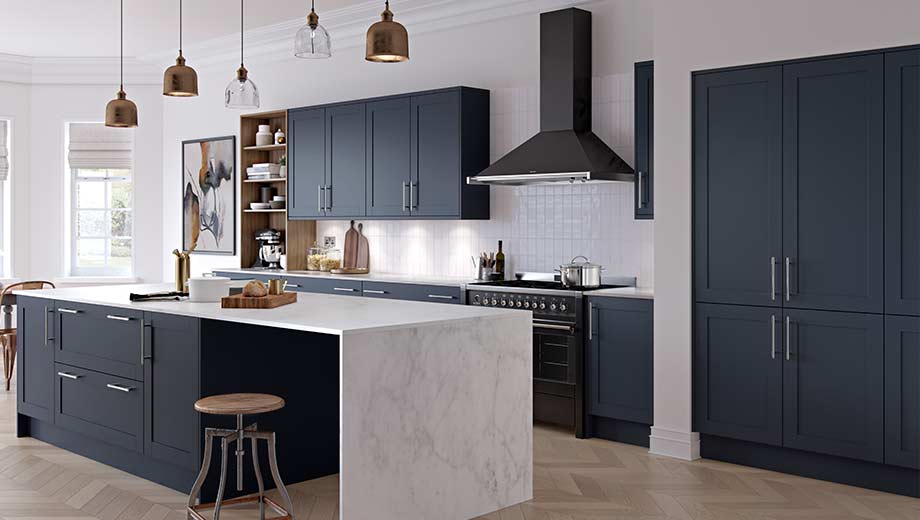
(580, 274)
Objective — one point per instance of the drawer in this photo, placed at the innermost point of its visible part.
(324, 285)
(106, 339)
(99, 405)
(413, 292)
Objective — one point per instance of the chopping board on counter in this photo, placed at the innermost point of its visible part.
(363, 260)
(238, 301)
(350, 255)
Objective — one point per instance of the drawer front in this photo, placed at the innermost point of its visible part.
(106, 339)
(325, 286)
(99, 405)
(414, 292)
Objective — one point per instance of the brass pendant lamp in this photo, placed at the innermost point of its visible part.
(180, 80)
(121, 112)
(387, 40)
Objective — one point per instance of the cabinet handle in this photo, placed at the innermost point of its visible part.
(440, 297)
(68, 375)
(639, 190)
(773, 336)
(590, 321)
(293, 285)
(788, 338)
(343, 289)
(118, 318)
(327, 198)
(773, 278)
(405, 186)
(144, 326)
(68, 311)
(413, 195)
(369, 291)
(120, 388)
(47, 312)
(319, 198)
(788, 290)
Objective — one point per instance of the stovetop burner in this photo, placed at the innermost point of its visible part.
(541, 284)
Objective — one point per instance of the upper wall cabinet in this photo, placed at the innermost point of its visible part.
(902, 183)
(644, 125)
(397, 157)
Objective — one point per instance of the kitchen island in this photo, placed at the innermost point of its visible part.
(423, 410)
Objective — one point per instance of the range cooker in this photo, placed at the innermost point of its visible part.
(559, 322)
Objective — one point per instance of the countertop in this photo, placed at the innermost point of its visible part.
(321, 313)
(371, 277)
(642, 293)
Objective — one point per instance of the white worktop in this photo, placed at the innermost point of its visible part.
(641, 293)
(321, 313)
(452, 281)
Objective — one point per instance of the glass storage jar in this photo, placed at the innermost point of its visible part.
(315, 258)
(332, 260)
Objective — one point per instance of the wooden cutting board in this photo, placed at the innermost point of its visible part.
(364, 255)
(238, 301)
(350, 258)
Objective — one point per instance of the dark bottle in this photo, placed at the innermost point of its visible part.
(499, 270)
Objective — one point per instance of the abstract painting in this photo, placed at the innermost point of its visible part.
(209, 195)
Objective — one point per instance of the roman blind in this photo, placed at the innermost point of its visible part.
(96, 146)
(4, 150)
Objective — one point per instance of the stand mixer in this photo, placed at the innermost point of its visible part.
(270, 248)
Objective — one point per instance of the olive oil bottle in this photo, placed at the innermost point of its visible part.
(499, 271)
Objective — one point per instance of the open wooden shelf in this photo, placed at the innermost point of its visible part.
(263, 181)
(266, 148)
(264, 211)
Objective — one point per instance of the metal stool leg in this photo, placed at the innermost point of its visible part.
(240, 451)
(258, 470)
(223, 477)
(205, 466)
(276, 476)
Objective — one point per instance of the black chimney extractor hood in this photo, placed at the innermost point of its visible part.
(565, 150)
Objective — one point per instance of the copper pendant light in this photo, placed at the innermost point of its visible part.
(121, 112)
(180, 80)
(387, 41)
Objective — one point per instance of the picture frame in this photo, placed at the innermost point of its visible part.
(209, 178)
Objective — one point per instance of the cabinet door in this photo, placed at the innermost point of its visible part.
(902, 183)
(618, 369)
(435, 190)
(171, 387)
(388, 151)
(833, 383)
(345, 161)
(35, 344)
(644, 110)
(306, 163)
(106, 339)
(832, 182)
(737, 360)
(902, 391)
(738, 186)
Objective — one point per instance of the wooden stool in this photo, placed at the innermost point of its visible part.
(239, 405)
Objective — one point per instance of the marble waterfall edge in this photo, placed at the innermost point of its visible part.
(437, 420)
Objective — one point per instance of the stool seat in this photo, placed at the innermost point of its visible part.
(239, 404)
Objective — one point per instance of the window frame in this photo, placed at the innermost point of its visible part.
(7, 209)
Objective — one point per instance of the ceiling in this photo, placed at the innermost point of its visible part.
(89, 28)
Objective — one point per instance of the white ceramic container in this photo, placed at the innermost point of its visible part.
(204, 289)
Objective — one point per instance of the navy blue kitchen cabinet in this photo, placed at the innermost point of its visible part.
(833, 379)
(738, 202)
(618, 368)
(171, 387)
(644, 124)
(388, 157)
(106, 339)
(902, 391)
(324, 285)
(902, 183)
(35, 319)
(306, 163)
(738, 372)
(833, 209)
(345, 160)
(413, 292)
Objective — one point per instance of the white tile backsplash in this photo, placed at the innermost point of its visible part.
(541, 226)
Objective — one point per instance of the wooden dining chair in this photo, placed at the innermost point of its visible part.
(8, 335)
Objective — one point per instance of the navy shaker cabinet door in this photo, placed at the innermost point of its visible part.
(833, 378)
(171, 383)
(388, 152)
(434, 189)
(345, 161)
(35, 320)
(738, 186)
(902, 183)
(619, 363)
(644, 124)
(306, 163)
(833, 213)
(902, 391)
(738, 373)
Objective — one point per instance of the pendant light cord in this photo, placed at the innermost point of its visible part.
(180, 27)
(121, 38)
(241, 33)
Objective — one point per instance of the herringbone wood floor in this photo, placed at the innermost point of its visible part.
(573, 480)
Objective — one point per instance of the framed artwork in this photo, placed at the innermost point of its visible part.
(209, 195)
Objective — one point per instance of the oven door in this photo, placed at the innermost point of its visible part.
(555, 397)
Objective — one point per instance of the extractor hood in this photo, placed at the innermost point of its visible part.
(565, 150)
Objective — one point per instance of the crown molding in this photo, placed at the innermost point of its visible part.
(271, 43)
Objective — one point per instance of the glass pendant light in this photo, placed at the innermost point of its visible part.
(121, 112)
(387, 41)
(241, 92)
(180, 80)
(312, 40)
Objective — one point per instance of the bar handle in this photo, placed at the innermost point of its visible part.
(144, 326)
(640, 198)
(319, 198)
(48, 311)
(371, 291)
(788, 290)
(773, 278)
(413, 195)
(590, 321)
(68, 311)
(120, 388)
(327, 198)
(293, 285)
(117, 318)
(441, 296)
(68, 375)
(788, 338)
(344, 289)
(405, 186)
(773, 336)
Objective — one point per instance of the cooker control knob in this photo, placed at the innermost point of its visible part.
(542, 305)
(504, 303)
(526, 305)
(562, 307)
(476, 299)
(552, 307)
(518, 304)
(494, 302)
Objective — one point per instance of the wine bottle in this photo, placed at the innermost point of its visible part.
(499, 263)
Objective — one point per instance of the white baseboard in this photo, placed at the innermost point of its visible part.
(673, 443)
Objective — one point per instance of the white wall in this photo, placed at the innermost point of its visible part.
(16, 104)
(707, 34)
(500, 55)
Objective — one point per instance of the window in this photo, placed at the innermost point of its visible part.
(101, 241)
(6, 131)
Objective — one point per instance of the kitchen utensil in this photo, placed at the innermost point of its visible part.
(270, 248)
(157, 296)
(484, 273)
(364, 255)
(580, 274)
(259, 205)
(355, 271)
(208, 288)
(350, 261)
(276, 286)
(238, 301)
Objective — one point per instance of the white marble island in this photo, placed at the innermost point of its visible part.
(435, 400)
